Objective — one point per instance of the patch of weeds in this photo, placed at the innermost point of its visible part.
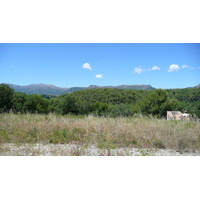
(144, 153)
(59, 136)
(66, 136)
(198, 140)
(182, 145)
(63, 133)
(128, 143)
(189, 124)
(158, 143)
(106, 145)
(4, 136)
(187, 145)
(73, 135)
(104, 141)
(78, 131)
(134, 141)
(34, 133)
(76, 134)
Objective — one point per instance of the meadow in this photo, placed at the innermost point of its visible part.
(105, 133)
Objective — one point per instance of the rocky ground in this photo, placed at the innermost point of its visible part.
(10, 149)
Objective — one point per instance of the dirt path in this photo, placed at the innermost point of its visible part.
(10, 149)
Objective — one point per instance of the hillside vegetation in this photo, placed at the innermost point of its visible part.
(47, 89)
(110, 102)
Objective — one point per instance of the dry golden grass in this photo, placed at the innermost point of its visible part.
(105, 133)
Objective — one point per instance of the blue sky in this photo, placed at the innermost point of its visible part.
(162, 65)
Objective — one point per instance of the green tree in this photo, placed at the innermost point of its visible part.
(68, 105)
(99, 108)
(152, 103)
(6, 97)
(168, 105)
(35, 103)
(197, 110)
(19, 100)
(54, 105)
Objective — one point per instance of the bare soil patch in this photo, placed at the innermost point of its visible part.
(10, 149)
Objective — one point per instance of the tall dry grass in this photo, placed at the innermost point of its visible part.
(106, 133)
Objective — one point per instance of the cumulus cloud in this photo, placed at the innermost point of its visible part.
(155, 68)
(138, 70)
(173, 68)
(87, 66)
(99, 76)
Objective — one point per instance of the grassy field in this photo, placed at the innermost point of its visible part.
(104, 133)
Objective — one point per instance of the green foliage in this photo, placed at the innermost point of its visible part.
(34, 134)
(19, 100)
(159, 144)
(36, 104)
(125, 110)
(67, 105)
(54, 105)
(4, 136)
(6, 98)
(60, 136)
(99, 108)
(153, 103)
(66, 136)
(110, 102)
(111, 96)
(189, 99)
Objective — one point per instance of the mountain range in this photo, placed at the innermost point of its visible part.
(47, 89)
(197, 86)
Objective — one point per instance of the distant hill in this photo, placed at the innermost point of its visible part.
(131, 87)
(197, 86)
(48, 89)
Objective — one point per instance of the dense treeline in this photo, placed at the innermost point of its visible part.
(109, 102)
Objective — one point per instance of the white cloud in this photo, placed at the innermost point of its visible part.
(99, 76)
(155, 68)
(185, 66)
(87, 66)
(173, 68)
(138, 70)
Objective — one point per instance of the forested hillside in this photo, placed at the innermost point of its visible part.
(47, 89)
(110, 102)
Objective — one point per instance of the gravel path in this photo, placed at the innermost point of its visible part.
(10, 149)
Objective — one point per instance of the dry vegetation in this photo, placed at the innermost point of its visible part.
(103, 133)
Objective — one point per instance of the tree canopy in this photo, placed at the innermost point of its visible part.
(6, 97)
(108, 102)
